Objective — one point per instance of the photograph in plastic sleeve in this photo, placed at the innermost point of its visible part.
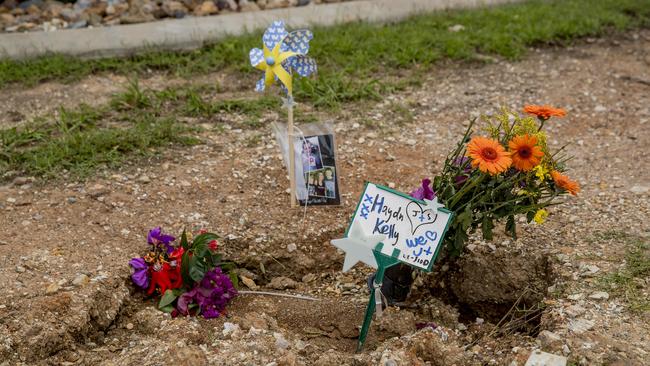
(319, 169)
(311, 156)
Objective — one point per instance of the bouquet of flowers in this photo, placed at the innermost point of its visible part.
(506, 172)
(189, 276)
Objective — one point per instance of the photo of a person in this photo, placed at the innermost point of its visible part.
(311, 189)
(311, 155)
(319, 184)
(330, 183)
(318, 158)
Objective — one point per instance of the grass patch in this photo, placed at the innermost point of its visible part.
(356, 59)
(75, 144)
(135, 122)
(357, 62)
(630, 282)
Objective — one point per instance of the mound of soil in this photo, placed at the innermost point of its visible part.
(493, 284)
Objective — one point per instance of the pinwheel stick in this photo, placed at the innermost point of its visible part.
(292, 156)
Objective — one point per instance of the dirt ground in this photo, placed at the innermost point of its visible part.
(64, 246)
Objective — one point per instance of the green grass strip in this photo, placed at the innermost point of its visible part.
(356, 62)
(76, 146)
(361, 50)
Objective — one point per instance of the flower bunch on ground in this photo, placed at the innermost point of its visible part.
(505, 171)
(188, 276)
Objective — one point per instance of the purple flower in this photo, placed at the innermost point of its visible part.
(462, 162)
(211, 295)
(140, 272)
(157, 237)
(185, 300)
(424, 192)
(460, 179)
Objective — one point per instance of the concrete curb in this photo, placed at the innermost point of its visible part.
(193, 32)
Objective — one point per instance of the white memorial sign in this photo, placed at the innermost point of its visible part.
(414, 227)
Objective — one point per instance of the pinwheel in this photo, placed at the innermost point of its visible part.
(283, 53)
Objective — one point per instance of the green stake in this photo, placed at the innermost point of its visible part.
(383, 262)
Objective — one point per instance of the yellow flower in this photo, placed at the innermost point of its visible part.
(540, 216)
(540, 172)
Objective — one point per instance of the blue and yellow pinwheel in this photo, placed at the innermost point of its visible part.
(282, 53)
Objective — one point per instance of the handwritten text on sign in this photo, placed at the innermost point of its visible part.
(414, 228)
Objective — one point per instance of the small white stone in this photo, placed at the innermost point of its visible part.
(575, 297)
(280, 341)
(539, 358)
(547, 338)
(579, 326)
(80, 280)
(230, 329)
(599, 295)
(588, 270)
(52, 288)
(456, 28)
(291, 247)
(639, 189)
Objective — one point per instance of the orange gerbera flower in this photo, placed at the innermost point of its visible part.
(524, 152)
(544, 111)
(565, 183)
(488, 155)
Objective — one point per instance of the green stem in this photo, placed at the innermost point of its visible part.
(541, 125)
(454, 199)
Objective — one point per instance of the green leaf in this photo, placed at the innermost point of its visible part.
(178, 291)
(464, 220)
(511, 227)
(167, 309)
(200, 243)
(167, 298)
(459, 243)
(185, 269)
(530, 215)
(184, 243)
(204, 238)
(213, 260)
(486, 227)
(227, 266)
(197, 268)
(234, 279)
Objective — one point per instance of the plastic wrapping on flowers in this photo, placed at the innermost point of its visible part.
(190, 277)
(507, 171)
